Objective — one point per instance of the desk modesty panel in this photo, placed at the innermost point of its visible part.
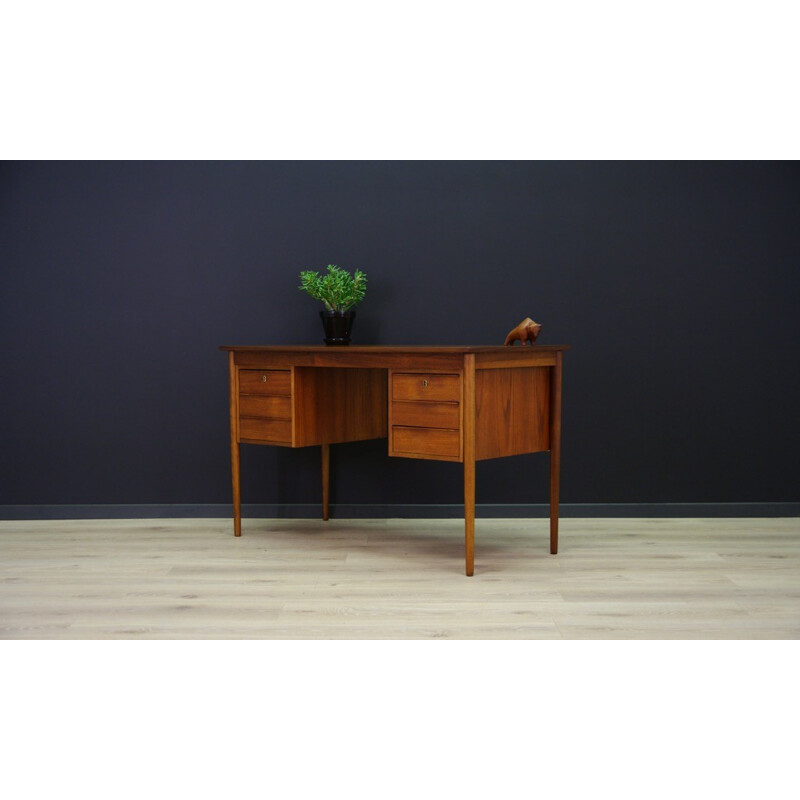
(461, 404)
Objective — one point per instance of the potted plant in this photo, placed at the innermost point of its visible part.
(341, 292)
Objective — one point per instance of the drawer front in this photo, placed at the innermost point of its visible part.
(426, 442)
(421, 386)
(425, 415)
(265, 381)
(274, 407)
(269, 430)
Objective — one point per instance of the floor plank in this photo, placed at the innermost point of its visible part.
(400, 579)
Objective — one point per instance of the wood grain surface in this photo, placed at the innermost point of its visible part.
(513, 411)
(426, 415)
(436, 443)
(399, 579)
(339, 405)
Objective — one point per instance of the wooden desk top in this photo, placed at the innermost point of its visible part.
(394, 356)
(396, 348)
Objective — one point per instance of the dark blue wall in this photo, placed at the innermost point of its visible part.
(677, 285)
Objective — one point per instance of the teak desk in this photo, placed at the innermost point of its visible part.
(460, 404)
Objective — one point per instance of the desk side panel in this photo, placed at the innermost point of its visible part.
(512, 411)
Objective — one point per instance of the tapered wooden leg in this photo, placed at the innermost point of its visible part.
(469, 462)
(326, 476)
(469, 515)
(555, 451)
(237, 496)
(234, 411)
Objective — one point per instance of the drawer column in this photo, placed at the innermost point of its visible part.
(469, 462)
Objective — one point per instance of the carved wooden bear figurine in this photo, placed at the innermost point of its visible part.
(526, 332)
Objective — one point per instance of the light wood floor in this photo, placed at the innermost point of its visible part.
(390, 579)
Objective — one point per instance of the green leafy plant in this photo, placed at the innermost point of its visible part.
(338, 289)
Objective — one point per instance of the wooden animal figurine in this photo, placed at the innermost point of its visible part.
(526, 332)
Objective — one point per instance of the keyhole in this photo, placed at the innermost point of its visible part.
(425, 383)
(264, 378)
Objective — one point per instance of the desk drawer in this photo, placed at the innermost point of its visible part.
(434, 442)
(422, 386)
(415, 414)
(265, 381)
(269, 430)
(273, 407)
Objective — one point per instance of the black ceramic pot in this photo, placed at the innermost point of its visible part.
(338, 325)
